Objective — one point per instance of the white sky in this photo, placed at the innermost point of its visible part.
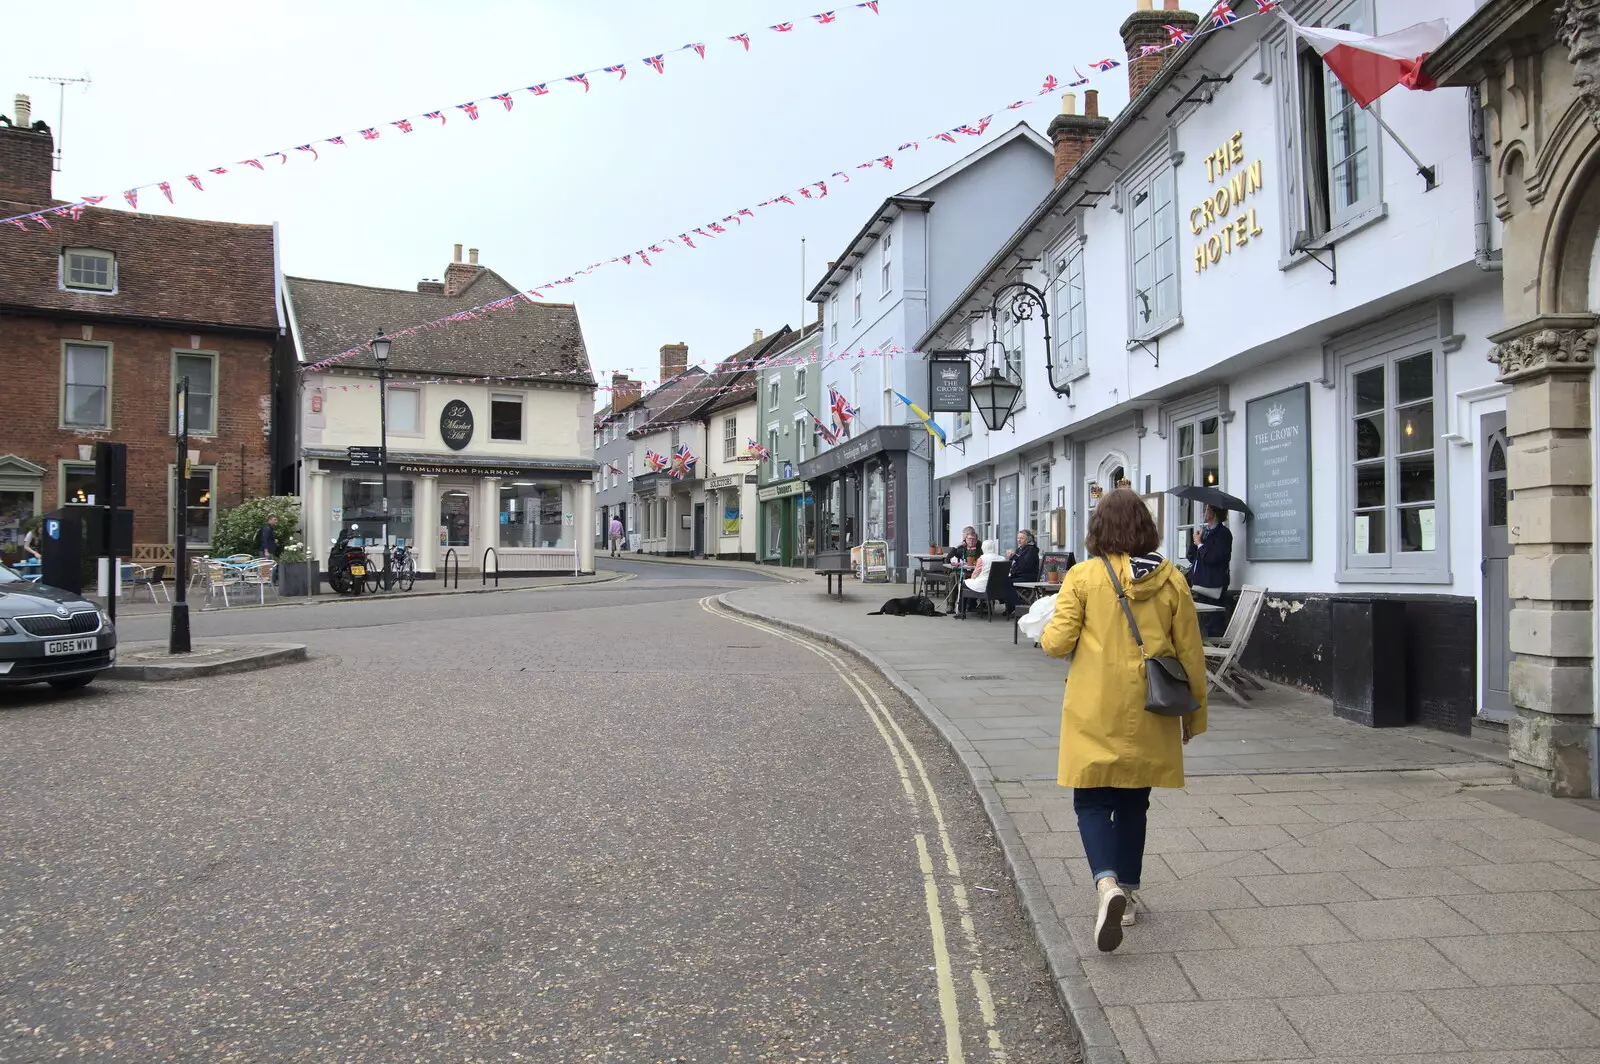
(565, 179)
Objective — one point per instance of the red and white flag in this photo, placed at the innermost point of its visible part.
(1369, 66)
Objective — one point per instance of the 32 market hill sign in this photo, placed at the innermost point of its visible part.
(1217, 212)
(455, 424)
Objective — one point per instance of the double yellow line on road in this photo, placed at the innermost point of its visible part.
(902, 751)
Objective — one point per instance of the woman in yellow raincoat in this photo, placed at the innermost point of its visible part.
(1113, 750)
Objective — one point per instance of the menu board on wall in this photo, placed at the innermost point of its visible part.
(1278, 475)
(1006, 523)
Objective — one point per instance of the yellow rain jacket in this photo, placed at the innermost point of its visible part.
(1108, 738)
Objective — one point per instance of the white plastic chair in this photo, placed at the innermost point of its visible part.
(152, 578)
(220, 577)
(258, 574)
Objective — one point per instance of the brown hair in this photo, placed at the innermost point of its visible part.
(1122, 525)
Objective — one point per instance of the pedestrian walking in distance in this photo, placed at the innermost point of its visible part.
(267, 542)
(616, 531)
(1113, 749)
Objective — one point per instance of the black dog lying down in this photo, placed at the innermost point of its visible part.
(910, 606)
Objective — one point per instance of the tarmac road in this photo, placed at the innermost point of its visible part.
(602, 823)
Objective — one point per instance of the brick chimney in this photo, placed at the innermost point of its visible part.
(625, 391)
(1147, 26)
(459, 275)
(25, 157)
(1074, 134)
(433, 287)
(674, 360)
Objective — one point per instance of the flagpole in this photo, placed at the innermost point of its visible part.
(1428, 174)
(801, 323)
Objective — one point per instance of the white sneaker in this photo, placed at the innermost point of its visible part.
(1132, 912)
(1108, 922)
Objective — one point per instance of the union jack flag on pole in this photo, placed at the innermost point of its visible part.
(829, 436)
(758, 450)
(843, 412)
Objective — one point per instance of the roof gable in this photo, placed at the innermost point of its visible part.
(185, 271)
(529, 339)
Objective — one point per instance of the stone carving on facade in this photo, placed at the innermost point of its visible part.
(1545, 351)
(1578, 27)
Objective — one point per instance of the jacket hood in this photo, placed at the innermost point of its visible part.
(1150, 574)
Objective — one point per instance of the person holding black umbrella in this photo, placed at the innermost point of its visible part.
(1210, 555)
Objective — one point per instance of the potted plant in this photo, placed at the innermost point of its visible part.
(1052, 572)
(297, 573)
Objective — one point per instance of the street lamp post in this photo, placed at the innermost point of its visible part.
(380, 351)
(178, 636)
(996, 394)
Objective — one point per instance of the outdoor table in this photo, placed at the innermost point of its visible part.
(1033, 587)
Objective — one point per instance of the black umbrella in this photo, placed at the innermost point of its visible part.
(1211, 497)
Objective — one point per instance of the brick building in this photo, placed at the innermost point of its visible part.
(99, 317)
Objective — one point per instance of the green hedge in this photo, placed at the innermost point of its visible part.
(238, 528)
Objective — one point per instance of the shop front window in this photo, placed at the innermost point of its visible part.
(16, 507)
(77, 484)
(455, 518)
(534, 514)
(1199, 458)
(875, 502)
(363, 504)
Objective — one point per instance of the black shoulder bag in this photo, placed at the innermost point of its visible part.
(1167, 683)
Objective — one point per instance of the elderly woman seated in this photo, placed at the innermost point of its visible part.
(978, 582)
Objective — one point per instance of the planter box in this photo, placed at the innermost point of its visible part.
(297, 579)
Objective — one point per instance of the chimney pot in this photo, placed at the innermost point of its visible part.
(24, 111)
(1074, 134)
(458, 253)
(756, 339)
(472, 256)
(1091, 103)
(1069, 103)
(1146, 36)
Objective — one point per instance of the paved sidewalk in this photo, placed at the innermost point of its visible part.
(1318, 892)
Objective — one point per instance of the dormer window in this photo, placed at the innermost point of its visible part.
(86, 268)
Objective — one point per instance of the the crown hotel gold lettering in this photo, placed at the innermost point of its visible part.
(1231, 195)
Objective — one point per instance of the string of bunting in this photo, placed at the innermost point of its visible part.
(472, 110)
(1220, 16)
(721, 367)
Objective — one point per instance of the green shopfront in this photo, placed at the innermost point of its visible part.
(788, 524)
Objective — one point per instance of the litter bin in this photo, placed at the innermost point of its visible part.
(1369, 660)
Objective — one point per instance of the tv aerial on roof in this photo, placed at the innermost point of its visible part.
(61, 84)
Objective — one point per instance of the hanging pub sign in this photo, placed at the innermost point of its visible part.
(1278, 475)
(948, 381)
(455, 424)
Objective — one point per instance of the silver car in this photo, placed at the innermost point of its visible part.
(51, 636)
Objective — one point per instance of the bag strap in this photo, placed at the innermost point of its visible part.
(1122, 597)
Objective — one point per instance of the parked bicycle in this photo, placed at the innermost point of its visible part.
(401, 568)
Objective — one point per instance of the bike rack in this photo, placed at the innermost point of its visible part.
(484, 572)
(450, 556)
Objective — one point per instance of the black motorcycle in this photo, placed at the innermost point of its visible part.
(347, 565)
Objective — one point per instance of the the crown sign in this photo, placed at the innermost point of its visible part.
(1275, 415)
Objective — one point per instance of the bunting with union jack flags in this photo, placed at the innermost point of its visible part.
(1222, 14)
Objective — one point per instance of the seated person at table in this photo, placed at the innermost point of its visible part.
(967, 552)
(978, 582)
(30, 544)
(1024, 559)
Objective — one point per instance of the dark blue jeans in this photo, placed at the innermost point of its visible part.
(1111, 821)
